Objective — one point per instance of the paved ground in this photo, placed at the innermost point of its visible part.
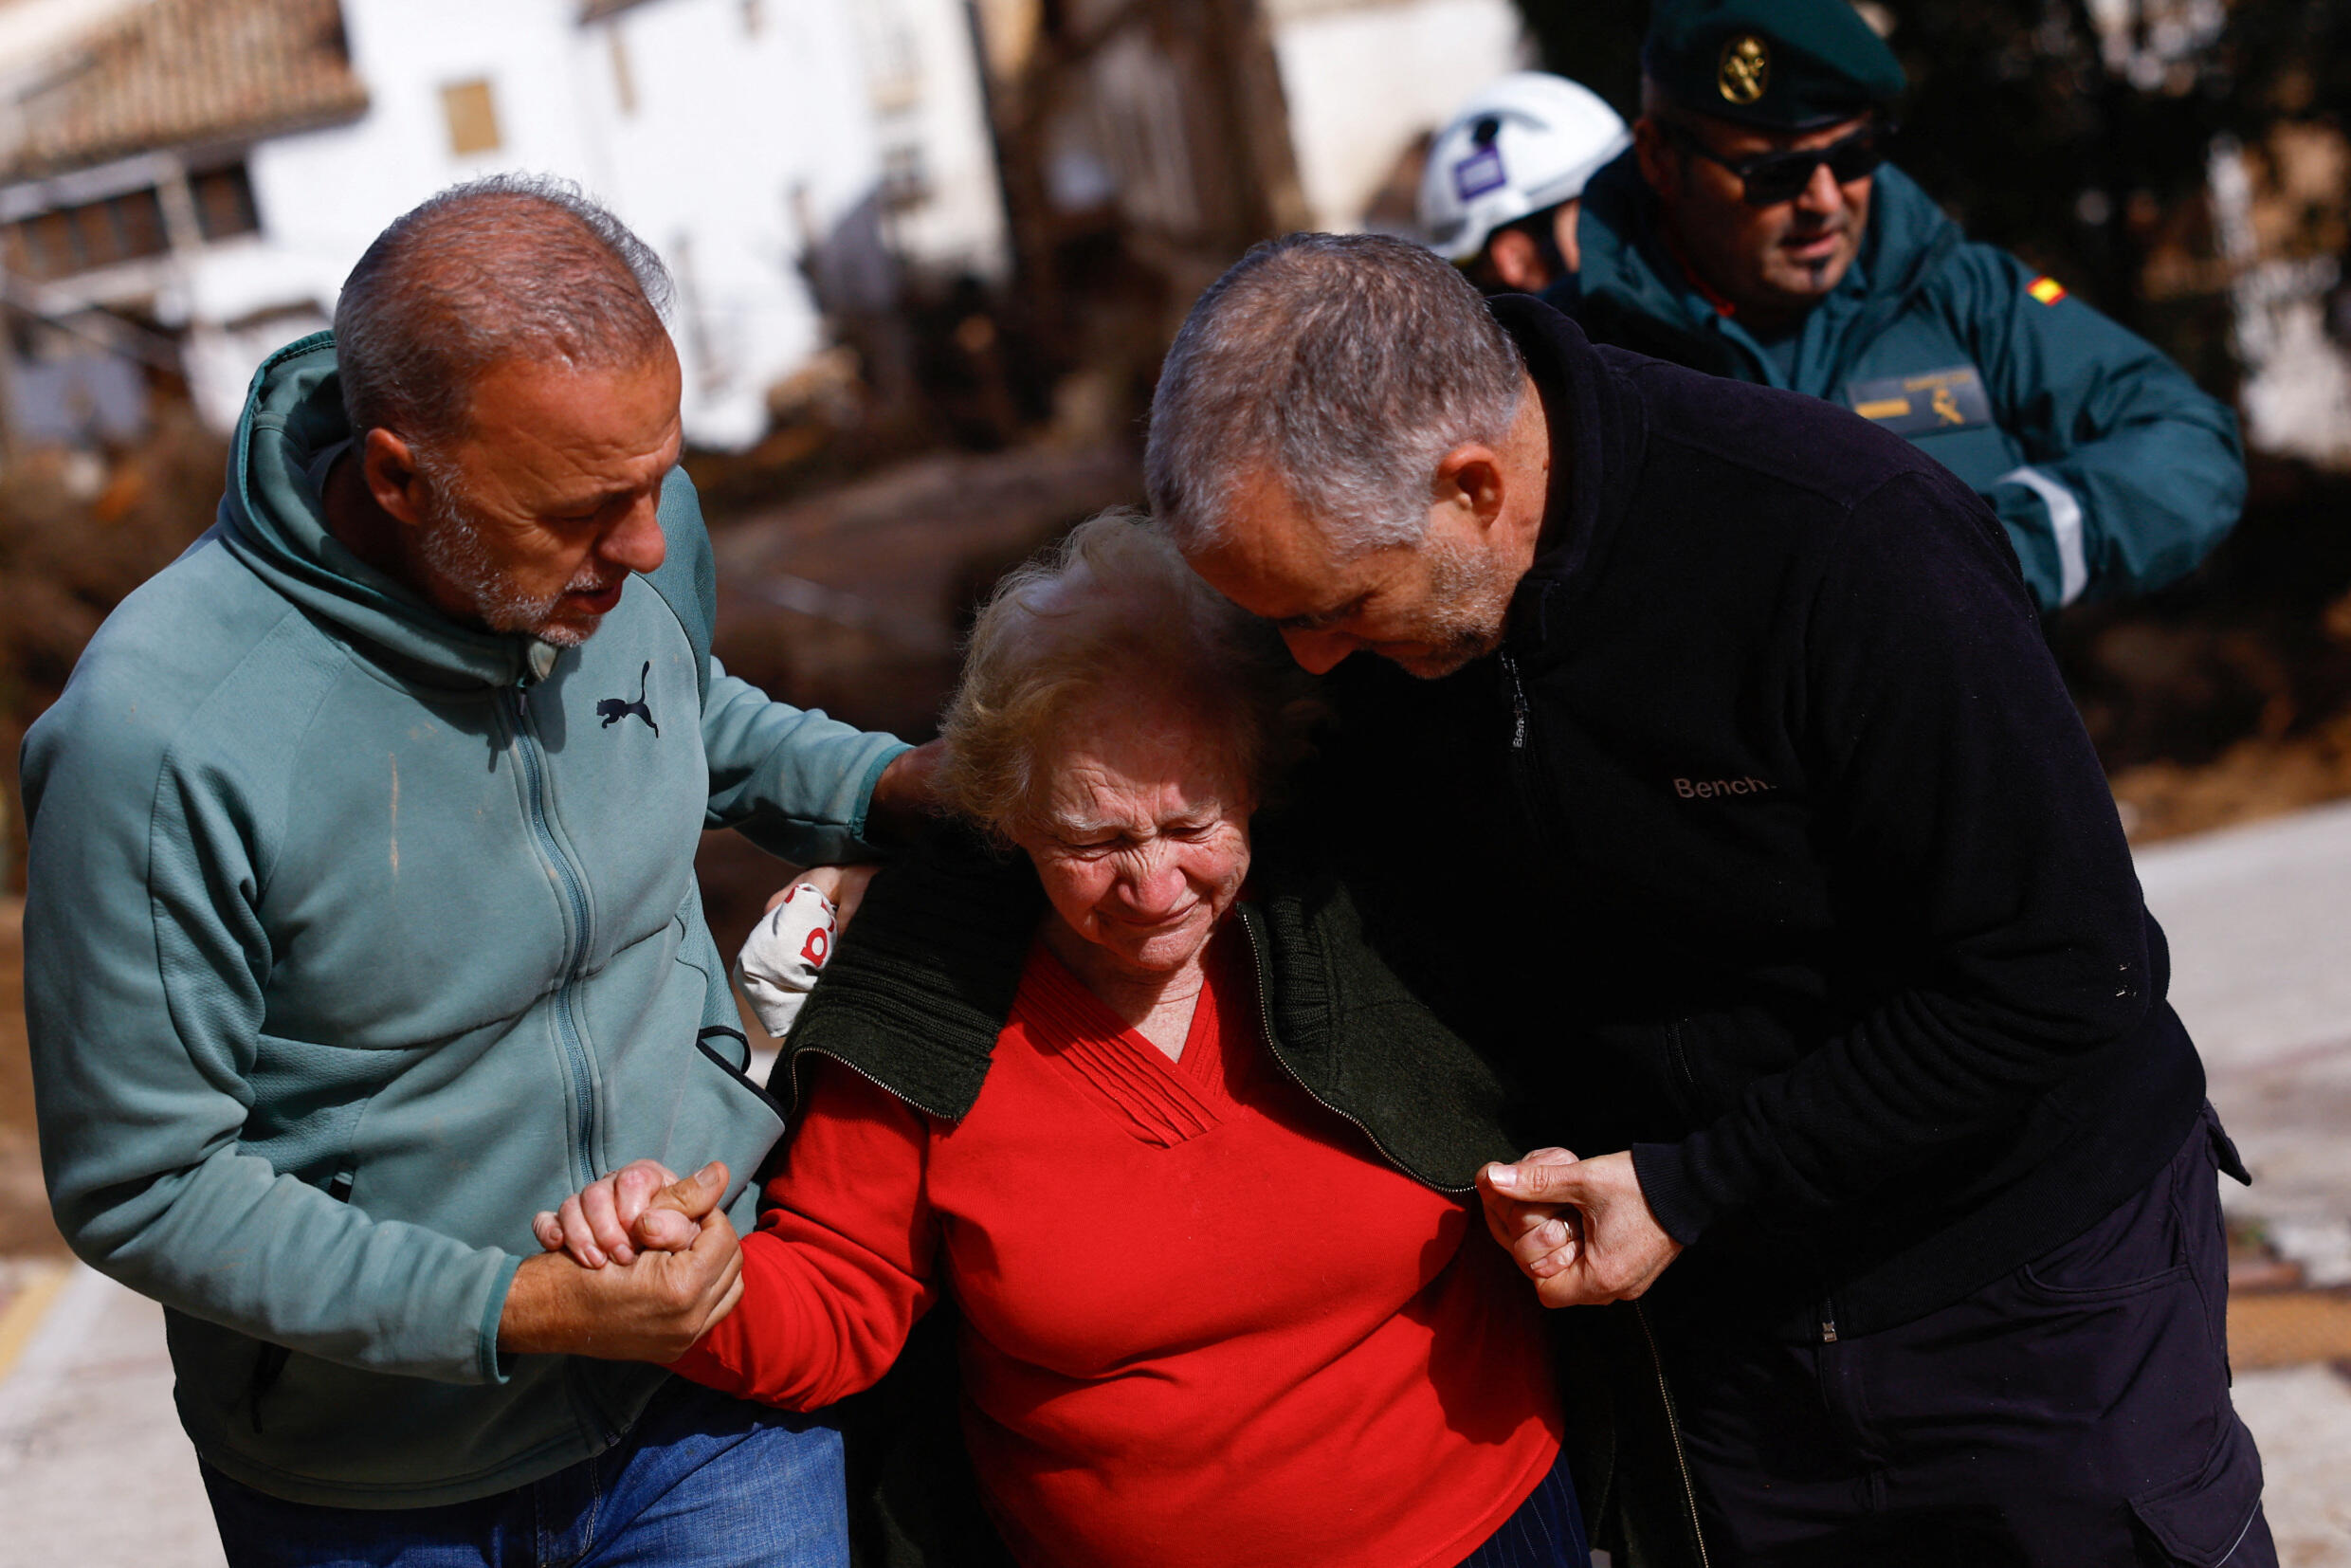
(92, 1468)
(94, 1471)
(2260, 927)
(2259, 919)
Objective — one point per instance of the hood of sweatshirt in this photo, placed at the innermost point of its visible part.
(273, 517)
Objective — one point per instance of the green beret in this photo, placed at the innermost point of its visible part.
(1784, 65)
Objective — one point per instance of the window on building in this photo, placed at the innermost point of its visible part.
(472, 116)
(893, 56)
(138, 219)
(97, 238)
(224, 200)
(905, 183)
(42, 245)
(87, 236)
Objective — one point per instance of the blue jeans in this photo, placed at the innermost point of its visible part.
(702, 1479)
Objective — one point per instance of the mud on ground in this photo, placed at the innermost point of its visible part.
(2227, 698)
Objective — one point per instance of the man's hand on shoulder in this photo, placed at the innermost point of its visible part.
(650, 1308)
(1579, 1229)
(906, 792)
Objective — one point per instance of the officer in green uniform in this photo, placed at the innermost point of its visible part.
(1754, 230)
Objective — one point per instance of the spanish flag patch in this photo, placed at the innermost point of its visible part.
(2046, 289)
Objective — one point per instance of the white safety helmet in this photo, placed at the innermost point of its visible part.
(1527, 142)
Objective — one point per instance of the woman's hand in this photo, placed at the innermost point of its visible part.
(641, 1206)
(1543, 1238)
(1581, 1229)
(844, 886)
(786, 952)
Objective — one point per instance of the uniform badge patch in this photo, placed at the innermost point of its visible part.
(1744, 70)
(1924, 403)
(2046, 289)
(1480, 172)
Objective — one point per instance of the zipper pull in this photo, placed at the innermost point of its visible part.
(1517, 703)
(1827, 1331)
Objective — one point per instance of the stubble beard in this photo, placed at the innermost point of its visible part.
(456, 552)
(1468, 603)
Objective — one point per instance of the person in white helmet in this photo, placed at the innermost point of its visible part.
(1505, 179)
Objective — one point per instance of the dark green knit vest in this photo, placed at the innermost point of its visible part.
(922, 982)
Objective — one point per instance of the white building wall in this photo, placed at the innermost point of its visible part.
(750, 136)
(324, 195)
(929, 105)
(748, 143)
(1364, 77)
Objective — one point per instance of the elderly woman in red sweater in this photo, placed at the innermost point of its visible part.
(1195, 1167)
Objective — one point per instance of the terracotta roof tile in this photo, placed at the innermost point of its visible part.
(176, 73)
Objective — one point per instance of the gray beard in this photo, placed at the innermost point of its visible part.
(453, 550)
(1470, 599)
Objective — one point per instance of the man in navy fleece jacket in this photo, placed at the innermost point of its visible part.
(1781, 878)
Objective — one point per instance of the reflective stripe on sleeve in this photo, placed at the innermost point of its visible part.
(2065, 523)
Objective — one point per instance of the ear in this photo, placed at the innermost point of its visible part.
(1564, 232)
(389, 468)
(1470, 478)
(1517, 261)
(1660, 167)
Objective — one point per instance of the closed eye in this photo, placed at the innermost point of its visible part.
(1324, 620)
(583, 513)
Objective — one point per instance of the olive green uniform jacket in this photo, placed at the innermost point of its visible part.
(2111, 472)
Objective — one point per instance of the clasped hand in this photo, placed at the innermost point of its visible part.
(1579, 1229)
(642, 1289)
(639, 1208)
(640, 1264)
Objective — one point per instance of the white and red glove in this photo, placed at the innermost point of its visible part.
(786, 952)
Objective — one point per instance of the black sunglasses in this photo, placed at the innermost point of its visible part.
(1769, 179)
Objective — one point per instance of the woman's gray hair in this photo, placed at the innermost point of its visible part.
(1343, 366)
(513, 266)
(1111, 609)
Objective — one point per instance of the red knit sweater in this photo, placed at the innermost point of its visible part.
(1205, 1324)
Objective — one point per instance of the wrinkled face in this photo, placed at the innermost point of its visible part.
(1430, 607)
(1772, 262)
(1142, 839)
(536, 518)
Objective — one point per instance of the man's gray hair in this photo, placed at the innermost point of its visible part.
(1342, 366)
(513, 266)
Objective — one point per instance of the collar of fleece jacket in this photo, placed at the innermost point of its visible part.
(271, 517)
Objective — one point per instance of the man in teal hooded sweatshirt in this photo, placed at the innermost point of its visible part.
(362, 925)
(1754, 230)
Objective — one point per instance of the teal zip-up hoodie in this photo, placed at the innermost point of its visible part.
(355, 938)
(2111, 472)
